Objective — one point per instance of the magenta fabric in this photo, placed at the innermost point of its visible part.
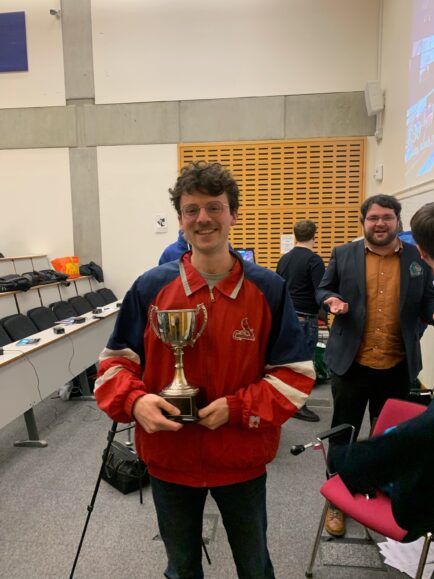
(376, 513)
(396, 411)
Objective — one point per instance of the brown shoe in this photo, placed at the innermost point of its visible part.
(335, 522)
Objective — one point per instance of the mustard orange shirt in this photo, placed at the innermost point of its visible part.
(382, 346)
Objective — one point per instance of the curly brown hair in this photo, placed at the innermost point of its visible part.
(207, 178)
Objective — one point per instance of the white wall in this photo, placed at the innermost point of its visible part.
(160, 50)
(43, 84)
(394, 77)
(133, 188)
(35, 203)
(394, 82)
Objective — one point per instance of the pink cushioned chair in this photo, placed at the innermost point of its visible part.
(374, 513)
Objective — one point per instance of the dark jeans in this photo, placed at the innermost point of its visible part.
(309, 326)
(243, 510)
(361, 386)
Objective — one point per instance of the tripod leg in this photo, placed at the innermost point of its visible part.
(141, 489)
(205, 550)
(110, 436)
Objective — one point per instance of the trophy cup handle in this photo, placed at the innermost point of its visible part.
(153, 311)
(204, 323)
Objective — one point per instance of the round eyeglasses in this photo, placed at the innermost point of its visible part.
(212, 208)
(384, 219)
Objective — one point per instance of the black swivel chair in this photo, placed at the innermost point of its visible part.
(4, 337)
(95, 299)
(19, 326)
(80, 305)
(107, 295)
(63, 310)
(42, 317)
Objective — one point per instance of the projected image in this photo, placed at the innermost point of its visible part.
(419, 151)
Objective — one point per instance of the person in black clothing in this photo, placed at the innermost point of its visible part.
(303, 270)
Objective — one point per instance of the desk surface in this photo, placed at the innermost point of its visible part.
(30, 373)
(9, 356)
(47, 337)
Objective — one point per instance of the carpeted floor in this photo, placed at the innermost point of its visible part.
(44, 493)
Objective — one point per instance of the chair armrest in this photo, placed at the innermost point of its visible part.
(335, 431)
(299, 448)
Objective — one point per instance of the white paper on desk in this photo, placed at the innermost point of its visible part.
(65, 322)
(405, 557)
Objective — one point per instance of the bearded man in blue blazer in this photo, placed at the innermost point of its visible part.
(380, 291)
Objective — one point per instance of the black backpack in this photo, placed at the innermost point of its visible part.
(94, 269)
(45, 276)
(14, 282)
(34, 278)
(51, 275)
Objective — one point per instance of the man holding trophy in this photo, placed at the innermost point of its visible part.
(207, 356)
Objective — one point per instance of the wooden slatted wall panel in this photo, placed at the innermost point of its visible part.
(282, 182)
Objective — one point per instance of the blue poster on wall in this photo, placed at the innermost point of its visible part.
(13, 43)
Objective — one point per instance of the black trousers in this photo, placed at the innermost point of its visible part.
(361, 386)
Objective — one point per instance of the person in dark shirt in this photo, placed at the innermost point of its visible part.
(303, 270)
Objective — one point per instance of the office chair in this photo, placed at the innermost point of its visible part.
(42, 317)
(80, 305)
(107, 294)
(374, 513)
(19, 326)
(4, 337)
(95, 299)
(63, 310)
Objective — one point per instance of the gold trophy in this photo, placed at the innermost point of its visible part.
(177, 329)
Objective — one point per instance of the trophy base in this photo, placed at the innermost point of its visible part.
(187, 406)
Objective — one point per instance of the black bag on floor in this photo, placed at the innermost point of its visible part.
(123, 469)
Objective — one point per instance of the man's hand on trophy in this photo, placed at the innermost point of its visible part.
(215, 414)
(148, 413)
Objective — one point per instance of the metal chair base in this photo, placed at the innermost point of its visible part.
(309, 569)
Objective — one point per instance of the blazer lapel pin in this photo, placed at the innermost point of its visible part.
(415, 269)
